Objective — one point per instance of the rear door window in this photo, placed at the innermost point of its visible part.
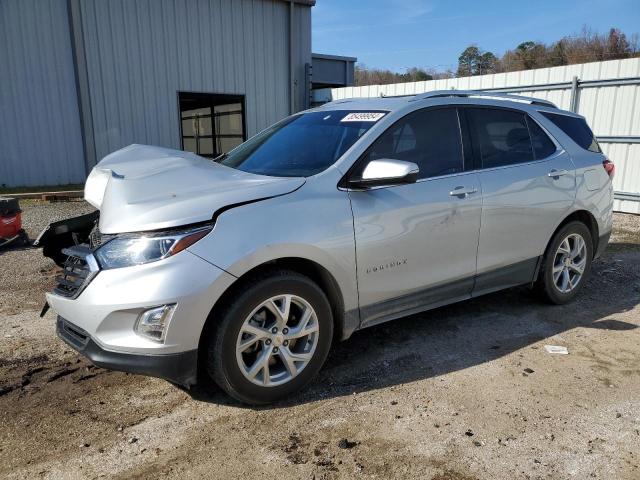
(429, 137)
(500, 136)
(577, 129)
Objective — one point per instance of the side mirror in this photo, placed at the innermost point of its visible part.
(385, 171)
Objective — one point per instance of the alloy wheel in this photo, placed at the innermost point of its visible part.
(569, 263)
(277, 340)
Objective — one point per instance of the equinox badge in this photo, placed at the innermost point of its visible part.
(387, 266)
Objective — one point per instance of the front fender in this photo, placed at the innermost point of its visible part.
(307, 225)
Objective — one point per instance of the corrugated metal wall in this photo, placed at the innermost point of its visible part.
(611, 110)
(132, 57)
(141, 53)
(40, 138)
(301, 55)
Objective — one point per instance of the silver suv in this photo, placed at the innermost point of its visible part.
(245, 269)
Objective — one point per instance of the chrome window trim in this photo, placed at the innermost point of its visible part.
(557, 153)
(421, 180)
(559, 148)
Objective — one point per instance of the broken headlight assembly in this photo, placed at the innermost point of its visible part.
(130, 249)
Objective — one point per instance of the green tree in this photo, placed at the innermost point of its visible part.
(617, 45)
(468, 61)
(557, 54)
(487, 63)
(473, 61)
(415, 75)
(524, 52)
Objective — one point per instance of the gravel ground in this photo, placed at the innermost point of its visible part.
(626, 233)
(33, 272)
(462, 392)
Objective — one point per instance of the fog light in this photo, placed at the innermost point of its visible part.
(153, 323)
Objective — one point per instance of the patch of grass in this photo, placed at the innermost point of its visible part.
(43, 188)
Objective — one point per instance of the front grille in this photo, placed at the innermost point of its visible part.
(73, 335)
(79, 269)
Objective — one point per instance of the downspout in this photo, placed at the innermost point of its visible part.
(291, 72)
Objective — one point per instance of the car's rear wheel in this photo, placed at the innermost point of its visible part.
(271, 339)
(566, 263)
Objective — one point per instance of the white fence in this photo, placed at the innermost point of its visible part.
(606, 93)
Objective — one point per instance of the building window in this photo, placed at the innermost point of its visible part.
(211, 124)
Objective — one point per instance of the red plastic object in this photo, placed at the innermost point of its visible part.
(609, 167)
(10, 225)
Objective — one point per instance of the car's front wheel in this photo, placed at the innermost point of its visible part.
(567, 262)
(271, 339)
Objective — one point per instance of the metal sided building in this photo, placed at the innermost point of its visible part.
(82, 78)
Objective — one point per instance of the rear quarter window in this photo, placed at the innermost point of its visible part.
(577, 129)
(542, 144)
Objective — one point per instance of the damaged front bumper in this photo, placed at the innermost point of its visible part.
(180, 368)
(110, 304)
(99, 309)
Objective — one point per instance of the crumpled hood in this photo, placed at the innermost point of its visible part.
(141, 188)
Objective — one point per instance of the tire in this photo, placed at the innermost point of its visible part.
(232, 371)
(550, 282)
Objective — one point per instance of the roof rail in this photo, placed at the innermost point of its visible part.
(489, 95)
(400, 95)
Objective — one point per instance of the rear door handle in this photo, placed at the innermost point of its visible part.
(462, 192)
(557, 173)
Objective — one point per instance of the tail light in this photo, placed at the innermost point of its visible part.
(609, 167)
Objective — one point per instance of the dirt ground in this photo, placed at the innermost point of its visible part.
(458, 393)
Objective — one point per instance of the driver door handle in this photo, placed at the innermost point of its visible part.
(462, 192)
(557, 173)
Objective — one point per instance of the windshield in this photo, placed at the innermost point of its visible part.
(301, 145)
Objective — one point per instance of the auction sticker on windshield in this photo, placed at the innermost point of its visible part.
(363, 117)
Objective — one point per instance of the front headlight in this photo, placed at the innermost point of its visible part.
(137, 248)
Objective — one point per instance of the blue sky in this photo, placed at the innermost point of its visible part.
(397, 34)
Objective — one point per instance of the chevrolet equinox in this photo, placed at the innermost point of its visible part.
(246, 268)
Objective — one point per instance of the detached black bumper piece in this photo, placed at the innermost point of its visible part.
(180, 368)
